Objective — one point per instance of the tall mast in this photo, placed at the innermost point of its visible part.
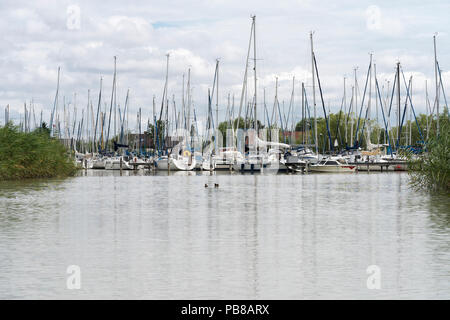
(216, 140)
(154, 124)
(112, 101)
(189, 102)
(98, 110)
(183, 108)
(398, 102)
(264, 106)
(126, 115)
(273, 119)
(437, 85)
(115, 99)
(244, 84)
(87, 117)
(254, 68)
(140, 122)
(355, 91)
(303, 112)
(410, 112)
(165, 98)
(386, 110)
(217, 96)
(345, 109)
(55, 104)
(427, 106)
(314, 95)
(92, 128)
(376, 100)
(369, 105)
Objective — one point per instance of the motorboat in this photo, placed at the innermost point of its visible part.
(307, 155)
(333, 164)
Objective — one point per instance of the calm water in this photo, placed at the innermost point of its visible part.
(255, 237)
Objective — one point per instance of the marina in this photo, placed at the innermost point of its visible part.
(172, 139)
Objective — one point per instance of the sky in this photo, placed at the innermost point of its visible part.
(82, 37)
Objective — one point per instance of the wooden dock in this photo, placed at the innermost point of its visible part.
(381, 166)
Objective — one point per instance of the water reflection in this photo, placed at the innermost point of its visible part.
(154, 235)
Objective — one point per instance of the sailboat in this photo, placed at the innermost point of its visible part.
(176, 162)
(117, 163)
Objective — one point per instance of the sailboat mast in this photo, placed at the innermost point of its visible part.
(369, 105)
(166, 100)
(92, 128)
(244, 83)
(437, 86)
(112, 101)
(345, 109)
(355, 91)
(303, 112)
(98, 111)
(188, 120)
(115, 99)
(154, 124)
(376, 100)
(254, 69)
(314, 94)
(410, 113)
(398, 102)
(55, 104)
(427, 106)
(217, 96)
(87, 117)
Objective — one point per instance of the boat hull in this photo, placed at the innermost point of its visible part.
(115, 165)
(182, 164)
(249, 167)
(333, 168)
(98, 164)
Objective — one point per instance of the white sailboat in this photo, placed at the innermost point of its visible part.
(252, 163)
(117, 163)
(178, 161)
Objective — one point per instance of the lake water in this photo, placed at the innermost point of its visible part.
(162, 236)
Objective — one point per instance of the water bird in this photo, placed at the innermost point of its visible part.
(206, 185)
(216, 185)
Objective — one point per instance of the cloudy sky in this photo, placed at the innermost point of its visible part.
(38, 36)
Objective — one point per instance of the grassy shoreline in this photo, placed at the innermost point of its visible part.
(32, 155)
(431, 171)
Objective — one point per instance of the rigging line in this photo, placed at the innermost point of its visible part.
(392, 95)
(408, 96)
(338, 130)
(384, 118)
(404, 113)
(442, 85)
(323, 104)
(112, 99)
(362, 103)
(244, 84)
